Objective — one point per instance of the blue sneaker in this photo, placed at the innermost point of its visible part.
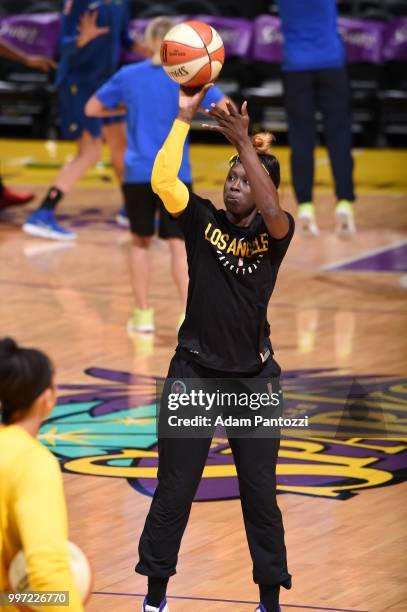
(42, 223)
(122, 218)
(261, 608)
(163, 607)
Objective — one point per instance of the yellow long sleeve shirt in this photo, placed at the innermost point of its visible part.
(33, 517)
(164, 178)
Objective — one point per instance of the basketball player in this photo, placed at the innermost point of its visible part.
(315, 78)
(92, 35)
(8, 197)
(225, 335)
(147, 92)
(32, 505)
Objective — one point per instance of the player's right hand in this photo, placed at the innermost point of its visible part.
(88, 30)
(190, 99)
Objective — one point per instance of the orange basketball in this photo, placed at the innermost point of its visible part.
(192, 53)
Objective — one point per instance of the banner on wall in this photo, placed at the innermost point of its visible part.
(236, 33)
(363, 39)
(267, 39)
(395, 40)
(31, 34)
(261, 39)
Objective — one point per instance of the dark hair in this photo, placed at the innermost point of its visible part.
(262, 143)
(24, 374)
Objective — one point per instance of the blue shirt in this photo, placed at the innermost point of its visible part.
(311, 38)
(151, 98)
(97, 61)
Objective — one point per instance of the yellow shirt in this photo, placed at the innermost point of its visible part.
(33, 517)
(164, 178)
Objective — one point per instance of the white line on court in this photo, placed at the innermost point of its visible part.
(349, 260)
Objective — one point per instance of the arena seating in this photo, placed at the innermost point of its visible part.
(379, 90)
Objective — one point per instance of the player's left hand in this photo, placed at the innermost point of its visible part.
(234, 125)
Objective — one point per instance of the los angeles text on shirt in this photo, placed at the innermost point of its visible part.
(232, 272)
(239, 247)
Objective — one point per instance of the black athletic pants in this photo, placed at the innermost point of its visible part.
(181, 463)
(327, 91)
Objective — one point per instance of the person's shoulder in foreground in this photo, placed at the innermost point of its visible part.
(16, 442)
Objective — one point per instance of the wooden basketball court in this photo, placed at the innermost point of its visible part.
(338, 318)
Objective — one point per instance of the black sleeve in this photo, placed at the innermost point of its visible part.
(279, 246)
(194, 216)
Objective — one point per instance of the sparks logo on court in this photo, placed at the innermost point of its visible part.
(107, 428)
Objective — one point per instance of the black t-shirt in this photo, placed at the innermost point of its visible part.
(232, 273)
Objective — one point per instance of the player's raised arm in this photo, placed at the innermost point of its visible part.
(164, 179)
(235, 127)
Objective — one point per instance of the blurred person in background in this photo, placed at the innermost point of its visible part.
(93, 34)
(315, 78)
(9, 197)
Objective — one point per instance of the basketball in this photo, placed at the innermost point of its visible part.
(81, 571)
(192, 53)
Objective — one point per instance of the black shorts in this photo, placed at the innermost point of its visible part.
(144, 207)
